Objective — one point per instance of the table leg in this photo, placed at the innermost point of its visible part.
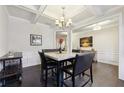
(61, 72)
(20, 63)
(91, 74)
(58, 74)
(20, 78)
(4, 81)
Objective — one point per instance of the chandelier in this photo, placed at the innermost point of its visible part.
(63, 22)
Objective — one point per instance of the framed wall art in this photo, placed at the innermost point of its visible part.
(86, 41)
(35, 40)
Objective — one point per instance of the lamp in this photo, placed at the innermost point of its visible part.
(63, 22)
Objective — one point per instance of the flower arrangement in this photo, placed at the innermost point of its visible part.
(61, 41)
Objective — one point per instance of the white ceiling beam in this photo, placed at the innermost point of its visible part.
(39, 13)
(94, 20)
(90, 30)
(109, 14)
(26, 9)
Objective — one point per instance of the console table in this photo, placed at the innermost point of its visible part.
(12, 66)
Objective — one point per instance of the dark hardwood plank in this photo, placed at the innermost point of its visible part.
(104, 76)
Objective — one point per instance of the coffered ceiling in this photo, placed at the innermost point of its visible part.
(111, 22)
(56, 11)
(47, 14)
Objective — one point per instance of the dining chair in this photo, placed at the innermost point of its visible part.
(76, 50)
(50, 50)
(83, 62)
(46, 65)
(57, 50)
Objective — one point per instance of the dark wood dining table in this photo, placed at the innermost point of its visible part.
(60, 58)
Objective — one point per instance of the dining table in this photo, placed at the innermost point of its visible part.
(60, 58)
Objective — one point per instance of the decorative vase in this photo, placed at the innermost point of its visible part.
(60, 42)
(60, 49)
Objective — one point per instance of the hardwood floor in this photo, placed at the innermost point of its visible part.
(104, 76)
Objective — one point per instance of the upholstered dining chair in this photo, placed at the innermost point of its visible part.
(46, 65)
(76, 50)
(50, 50)
(82, 63)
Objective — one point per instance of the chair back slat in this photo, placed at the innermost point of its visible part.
(83, 62)
(76, 50)
(43, 59)
(50, 50)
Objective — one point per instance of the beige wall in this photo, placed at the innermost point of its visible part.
(105, 42)
(19, 39)
(3, 31)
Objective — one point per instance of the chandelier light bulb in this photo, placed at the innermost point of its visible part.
(69, 21)
(60, 25)
(97, 28)
(62, 19)
(67, 25)
(57, 22)
(63, 22)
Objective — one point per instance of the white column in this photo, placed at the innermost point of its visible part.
(54, 39)
(121, 46)
(69, 40)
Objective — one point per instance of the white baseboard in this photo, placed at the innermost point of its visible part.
(31, 65)
(108, 62)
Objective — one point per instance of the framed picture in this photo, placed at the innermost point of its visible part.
(86, 41)
(35, 40)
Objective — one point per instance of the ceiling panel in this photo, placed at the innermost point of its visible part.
(17, 12)
(45, 20)
(82, 16)
(56, 11)
(33, 7)
(105, 8)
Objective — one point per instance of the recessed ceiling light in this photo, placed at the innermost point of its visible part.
(90, 26)
(97, 27)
